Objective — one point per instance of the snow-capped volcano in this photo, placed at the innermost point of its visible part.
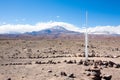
(56, 26)
(55, 30)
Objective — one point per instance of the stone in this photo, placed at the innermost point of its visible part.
(110, 64)
(63, 74)
(107, 77)
(94, 74)
(71, 75)
(85, 63)
(87, 73)
(9, 79)
(105, 63)
(80, 62)
(70, 62)
(65, 60)
(49, 71)
(116, 65)
(104, 66)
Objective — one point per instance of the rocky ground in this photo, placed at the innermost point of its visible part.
(59, 59)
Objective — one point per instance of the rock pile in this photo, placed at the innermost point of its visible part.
(71, 62)
(16, 63)
(47, 62)
(93, 73)
(99, 63)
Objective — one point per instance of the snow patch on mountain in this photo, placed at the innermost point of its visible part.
(23, 28)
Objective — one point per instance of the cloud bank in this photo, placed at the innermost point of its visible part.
(22, 28)
(105, 29)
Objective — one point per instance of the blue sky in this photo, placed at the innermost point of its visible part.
(100, 12)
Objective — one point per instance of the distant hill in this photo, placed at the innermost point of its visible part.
(56, 32)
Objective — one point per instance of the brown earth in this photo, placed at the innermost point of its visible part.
(53, 54)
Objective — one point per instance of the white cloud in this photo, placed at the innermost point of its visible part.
(15, 28)
(63, 24)
(103, 29)
(21, 28)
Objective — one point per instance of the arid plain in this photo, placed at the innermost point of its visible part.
(58, 59)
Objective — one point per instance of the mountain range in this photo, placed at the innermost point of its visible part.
(55, 32)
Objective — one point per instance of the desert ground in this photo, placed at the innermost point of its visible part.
(58, 59)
